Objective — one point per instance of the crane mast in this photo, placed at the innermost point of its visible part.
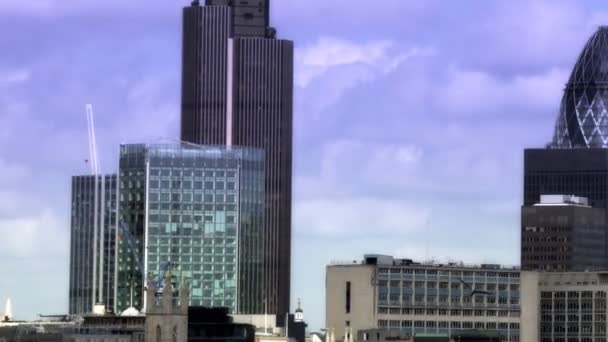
(98, 211)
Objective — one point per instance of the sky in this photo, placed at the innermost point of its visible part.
(410, 120)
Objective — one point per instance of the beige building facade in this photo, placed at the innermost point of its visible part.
(412, 299)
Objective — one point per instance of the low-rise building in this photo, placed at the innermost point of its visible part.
(382, 296)
(387, 293)
(564, 306)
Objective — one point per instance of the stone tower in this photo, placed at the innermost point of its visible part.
(167, 321)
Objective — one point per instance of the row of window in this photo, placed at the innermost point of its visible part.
(396, 299)
(192, 173)
(573, 317)
(196, 185)
(573, 328)
(572, 339)
(455, 285)
(453, 273)
(447, 325)
(164, 240)
(448, 312)
(572, 294)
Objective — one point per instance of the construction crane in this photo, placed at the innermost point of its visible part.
(98, 239)
(93, 160)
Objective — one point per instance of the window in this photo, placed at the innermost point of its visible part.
(348, 297)
(158, 334)
(175, 334)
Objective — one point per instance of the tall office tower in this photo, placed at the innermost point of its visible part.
(92, 243)
(576, 161)
(196, 211)
(237, 89)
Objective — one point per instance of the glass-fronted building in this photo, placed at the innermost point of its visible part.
(583, 119)
(198, 211)
(92, 242)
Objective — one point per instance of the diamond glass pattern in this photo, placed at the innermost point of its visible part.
(583, 119)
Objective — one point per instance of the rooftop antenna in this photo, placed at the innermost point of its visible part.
(426, 243)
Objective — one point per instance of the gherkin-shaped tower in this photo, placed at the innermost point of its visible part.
(583, 116)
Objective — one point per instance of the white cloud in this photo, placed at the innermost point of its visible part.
(12, 172)
(382, 56)
(52, 8)
(353, 167)
(352, 217)
(471, 92)
(13, 77)
(39, 234)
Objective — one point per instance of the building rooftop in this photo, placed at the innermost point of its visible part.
(561, 200)
(387, 260)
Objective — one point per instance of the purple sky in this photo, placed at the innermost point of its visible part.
(410, 120)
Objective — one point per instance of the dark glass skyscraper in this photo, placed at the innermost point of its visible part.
(237, 89)
(576, 161)
(92, 243)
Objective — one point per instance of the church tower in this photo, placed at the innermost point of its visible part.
(166, 320)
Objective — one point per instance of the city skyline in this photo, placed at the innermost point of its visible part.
(405, 139)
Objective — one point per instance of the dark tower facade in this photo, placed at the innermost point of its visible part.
(237, 89)
(92, 243)
(574, 163)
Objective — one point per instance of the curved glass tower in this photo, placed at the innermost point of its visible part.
(583, 118)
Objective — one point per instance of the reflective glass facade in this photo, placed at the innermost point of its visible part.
(92, 242)
(583, 119)
(200, 208)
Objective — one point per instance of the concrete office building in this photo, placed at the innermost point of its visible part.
(92, 243)
(237, 89)
(383, 298)
(199, 210)
(563, 233)
(564, 306)
(387, 293)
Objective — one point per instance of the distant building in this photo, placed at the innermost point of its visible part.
(206, 324)
(576, 161)
(108, 328)
(237, 89)
(198, 212)
(92, 243)
(384, 299)
(583, 118)
(563, 233)
(395, 294)
(564, 306)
